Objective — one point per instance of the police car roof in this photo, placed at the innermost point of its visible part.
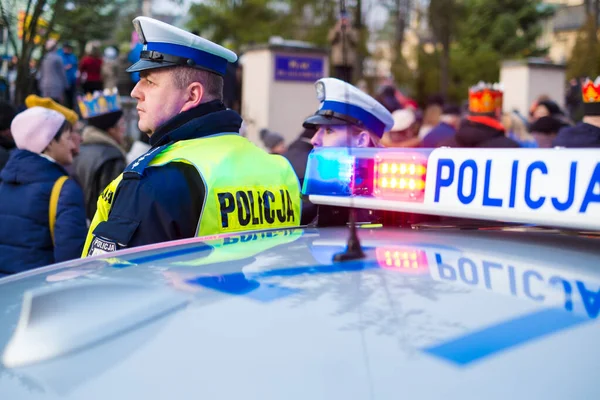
(427, 314)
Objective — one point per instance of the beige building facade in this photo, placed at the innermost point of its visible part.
(560, 31)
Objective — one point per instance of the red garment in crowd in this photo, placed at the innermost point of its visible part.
(91, 67)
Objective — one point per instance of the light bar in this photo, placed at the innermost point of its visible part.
(353, 172)
(546, 187)
(400, 176)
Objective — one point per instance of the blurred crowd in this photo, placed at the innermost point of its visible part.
(57, 141)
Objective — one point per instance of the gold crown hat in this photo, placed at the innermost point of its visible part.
(590, 93)
(99, 103)
(35, 101)
(485, 98)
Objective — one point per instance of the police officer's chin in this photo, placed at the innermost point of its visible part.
(145, 129)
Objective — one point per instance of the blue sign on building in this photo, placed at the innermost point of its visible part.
(297, 68)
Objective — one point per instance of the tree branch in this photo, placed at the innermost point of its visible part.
(57, 8)
(24, 33)
(37, 13)
(6, 20)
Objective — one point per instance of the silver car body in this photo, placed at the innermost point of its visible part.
(428, 314)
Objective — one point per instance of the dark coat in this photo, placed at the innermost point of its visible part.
(99, 162)
(165, 203)
(479, 132)
(297, 155)
(580, 135)
(25, 241)
(438, 134)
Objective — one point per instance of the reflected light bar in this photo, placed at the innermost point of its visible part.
(402, 259)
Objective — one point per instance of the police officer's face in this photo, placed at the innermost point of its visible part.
(339, 136)
(158, 99)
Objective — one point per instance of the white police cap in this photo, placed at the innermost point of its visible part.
(169, 46)
(342, 104)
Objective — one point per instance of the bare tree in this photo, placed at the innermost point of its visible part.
(402, 13)
(443, 15)
(596, 14)
(34, 10)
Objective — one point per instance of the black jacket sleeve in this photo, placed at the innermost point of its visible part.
(165, 204)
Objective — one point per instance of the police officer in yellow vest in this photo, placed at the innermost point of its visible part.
(200, 177)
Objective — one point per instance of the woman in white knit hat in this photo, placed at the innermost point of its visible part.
(42, 215)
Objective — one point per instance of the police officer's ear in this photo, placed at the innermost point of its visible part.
(363, 139)
(194, 95)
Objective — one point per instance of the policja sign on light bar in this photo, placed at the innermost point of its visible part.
(548, 187)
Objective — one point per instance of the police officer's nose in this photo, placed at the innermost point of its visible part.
(135, 93)
(316, 140)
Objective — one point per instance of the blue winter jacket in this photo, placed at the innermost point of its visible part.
(25, 242)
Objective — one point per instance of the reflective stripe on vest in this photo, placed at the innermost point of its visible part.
(246, 188)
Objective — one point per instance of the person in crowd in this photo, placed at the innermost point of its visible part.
(37, 198)
(449, 122)
(35, 101)
(387, 97)
(573, 99)
(545, 129)
(298, 151)
(343, 39)
(516, 130)
(102, 155)
(431, 115)
(342, 119)
(90, 69)
(12, 77)
(587, 132)
(77, 136)
(133, 56)
(124, 82)
(7, 144)
(200, 176)
(35, 72)
(482, 126)
(544, 107)
(404, 131)
(70, 63)
(533, 107)
(297, 154)
(53, 78)
(273, 141)
(140, 146)
(110, 66)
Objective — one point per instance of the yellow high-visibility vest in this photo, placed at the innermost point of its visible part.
(246, 188)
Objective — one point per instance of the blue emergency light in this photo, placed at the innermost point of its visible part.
(547, 187)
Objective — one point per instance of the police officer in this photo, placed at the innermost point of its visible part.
(347, 117)
(200, 177)
(587, 132)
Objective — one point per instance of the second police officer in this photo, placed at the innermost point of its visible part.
(347, 117)
(200, 177)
